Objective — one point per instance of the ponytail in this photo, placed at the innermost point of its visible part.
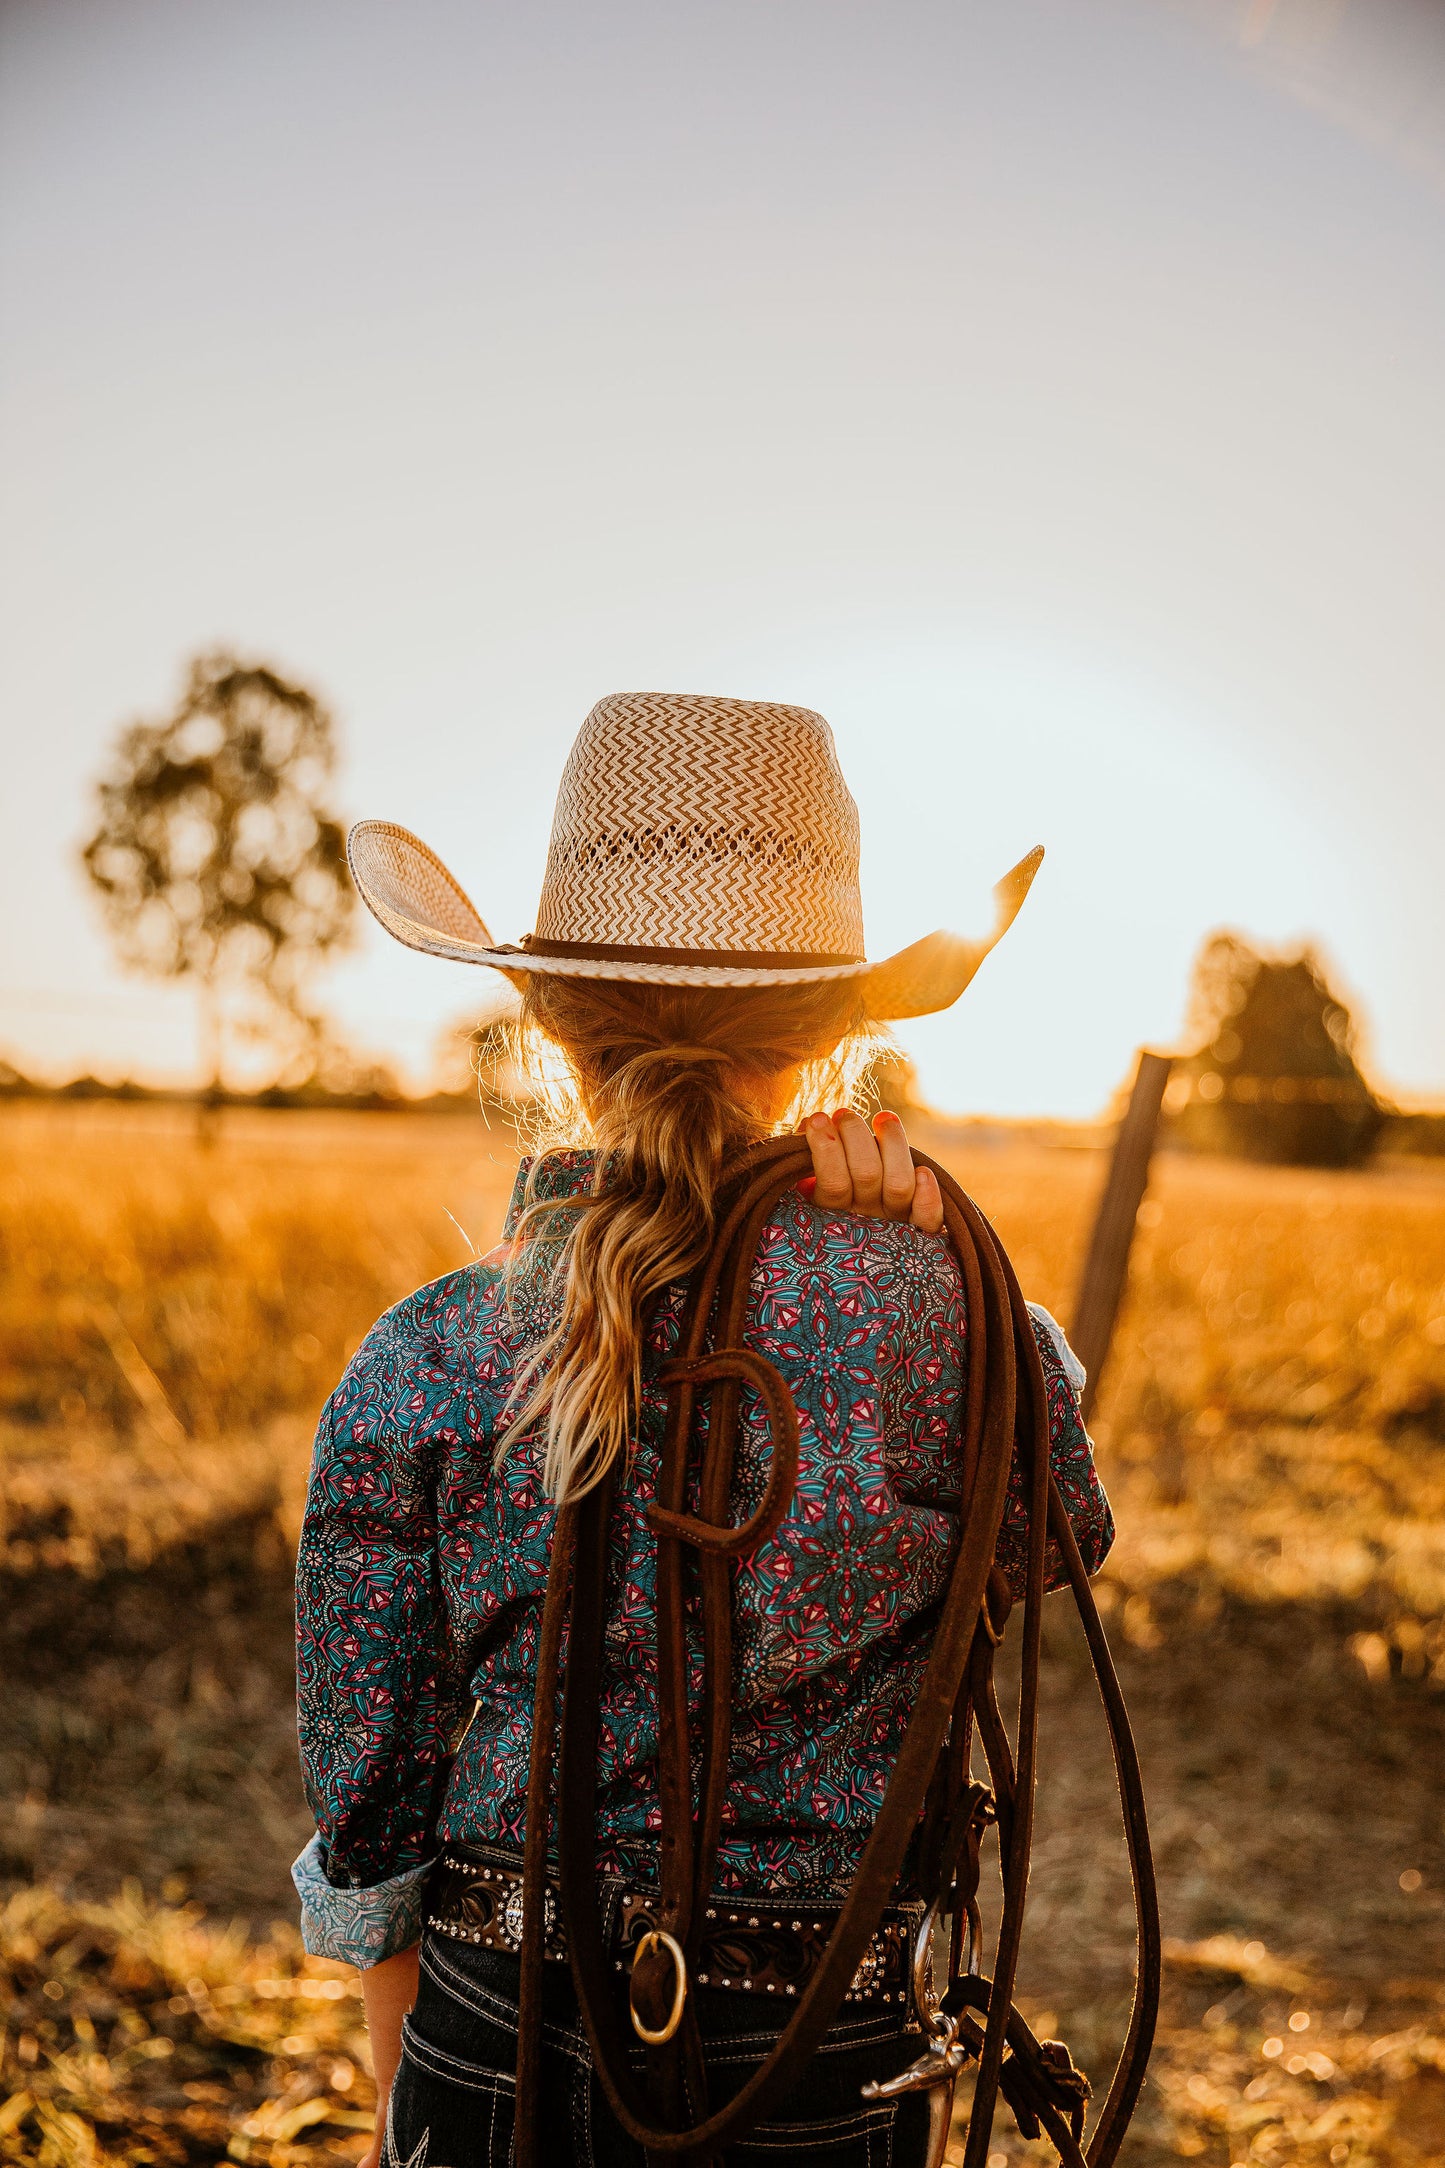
(672, 1083)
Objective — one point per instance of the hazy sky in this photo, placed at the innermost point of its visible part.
(1051, 393)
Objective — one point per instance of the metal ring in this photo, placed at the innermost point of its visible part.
(935, 2023)
(656, 1938)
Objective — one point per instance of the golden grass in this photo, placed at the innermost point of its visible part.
(1273, 1432)
(1275, 1401)
(140, 2033)
(140, 1274)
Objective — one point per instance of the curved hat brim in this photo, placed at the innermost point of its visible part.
(409, 891)
(929, 976)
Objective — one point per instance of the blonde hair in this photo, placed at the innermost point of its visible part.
(667, 1084)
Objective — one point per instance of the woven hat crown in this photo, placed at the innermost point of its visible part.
(694, 823)
(697, 842)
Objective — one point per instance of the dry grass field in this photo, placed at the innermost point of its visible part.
(1273, 1433)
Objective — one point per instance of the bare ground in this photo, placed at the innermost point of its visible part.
(149, 1735)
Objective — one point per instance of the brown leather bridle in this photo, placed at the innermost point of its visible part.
(931, 1796)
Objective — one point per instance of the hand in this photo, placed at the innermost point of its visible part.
(388, 1992)
(371, 2158)
(858, 1169)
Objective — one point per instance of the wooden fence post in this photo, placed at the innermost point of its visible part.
(1106, 1268)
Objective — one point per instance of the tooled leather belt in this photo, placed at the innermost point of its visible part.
(764, 1946)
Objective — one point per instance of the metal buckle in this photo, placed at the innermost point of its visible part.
(946, 2053)
(658, 1938)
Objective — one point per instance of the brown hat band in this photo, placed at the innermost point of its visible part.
(612, 952)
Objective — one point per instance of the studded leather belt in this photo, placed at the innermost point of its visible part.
(762, 1946)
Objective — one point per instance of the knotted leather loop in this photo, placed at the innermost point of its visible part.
(731, 1365)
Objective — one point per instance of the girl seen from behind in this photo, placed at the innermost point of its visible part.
(698, 976)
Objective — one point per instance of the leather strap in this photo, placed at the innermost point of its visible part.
(1005, 1407)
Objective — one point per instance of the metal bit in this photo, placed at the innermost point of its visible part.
(937, 2065)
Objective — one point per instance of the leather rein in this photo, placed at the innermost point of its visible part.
(931, 1795)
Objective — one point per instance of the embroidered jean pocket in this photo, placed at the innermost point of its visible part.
(446, 2111)
(863, 2138)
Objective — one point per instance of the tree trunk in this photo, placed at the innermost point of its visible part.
(208, 1104)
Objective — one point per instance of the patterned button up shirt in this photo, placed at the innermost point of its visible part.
(424, 1559)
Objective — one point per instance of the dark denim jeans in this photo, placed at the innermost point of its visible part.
(453, 2102)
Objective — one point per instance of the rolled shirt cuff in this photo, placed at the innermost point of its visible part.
(360, 1927)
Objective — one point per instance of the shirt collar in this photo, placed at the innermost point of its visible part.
(559, 1174)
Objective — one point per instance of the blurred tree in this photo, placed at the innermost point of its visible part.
(1275, 1076)
(216, 855)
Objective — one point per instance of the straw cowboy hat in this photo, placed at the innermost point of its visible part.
(696, 842)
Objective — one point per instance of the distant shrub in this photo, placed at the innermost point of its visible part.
(1419, 1134)
(1275, 1077)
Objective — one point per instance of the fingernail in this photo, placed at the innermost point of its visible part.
(808, 1184)
(821, 1122)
